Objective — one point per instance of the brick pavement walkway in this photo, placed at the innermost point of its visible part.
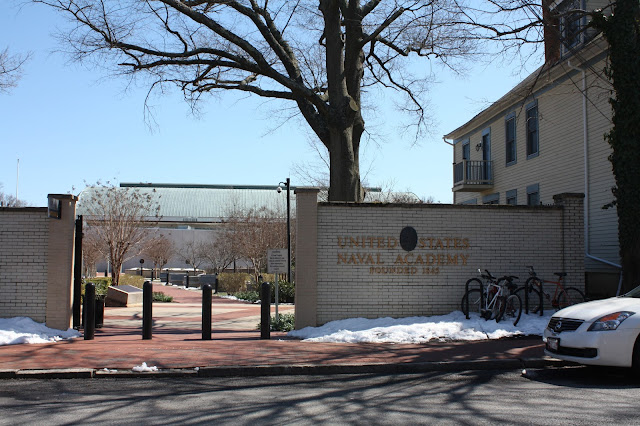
(177, 343)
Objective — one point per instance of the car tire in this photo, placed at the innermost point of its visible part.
(635, 359)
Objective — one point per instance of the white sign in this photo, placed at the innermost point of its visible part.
(277, 260)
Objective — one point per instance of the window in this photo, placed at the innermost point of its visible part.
(532, 130)
(471, 201)
(510, 137)
(570, 25)
(491, 199)
(512, 197)
(466, 150)
(533, 195)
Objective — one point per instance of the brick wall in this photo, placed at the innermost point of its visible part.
(23, 262)
(36, 262)
(362, 269)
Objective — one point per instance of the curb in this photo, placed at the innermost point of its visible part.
(289, 370)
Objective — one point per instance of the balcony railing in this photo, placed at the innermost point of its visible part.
(472, 175)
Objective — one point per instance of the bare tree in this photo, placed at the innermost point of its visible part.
(7, 200)
(121, 218)
(193, 252)
(255, 232)
(318, 57)
(11, 68)
(160, 250)
(93, 249)
(220, 251)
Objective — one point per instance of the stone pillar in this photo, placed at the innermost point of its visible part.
(60, 259)
(306, 257)
(572, 236)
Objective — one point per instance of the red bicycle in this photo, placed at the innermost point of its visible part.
(562, 297)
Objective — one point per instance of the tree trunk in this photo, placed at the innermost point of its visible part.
(345, 168)
(344, 121)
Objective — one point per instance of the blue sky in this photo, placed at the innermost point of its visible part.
(68, 123)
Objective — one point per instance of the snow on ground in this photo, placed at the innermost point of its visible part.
(453, 326)
(14, 331)
(144, 368)
(383, 330)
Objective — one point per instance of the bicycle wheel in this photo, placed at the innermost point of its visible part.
(570, 296)
(510, 309)
(475, 302)
(534, 299)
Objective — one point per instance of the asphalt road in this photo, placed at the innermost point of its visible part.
(577, 395)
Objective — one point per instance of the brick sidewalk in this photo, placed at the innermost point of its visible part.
(177, 343)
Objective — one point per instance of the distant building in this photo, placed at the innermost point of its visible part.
(193, 213)
(546, 137)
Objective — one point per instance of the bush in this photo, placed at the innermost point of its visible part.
(102, 283)
(249, 296)
(132, 280)
(286, 322)
(286, 292)
(159, 296)
(232, 283)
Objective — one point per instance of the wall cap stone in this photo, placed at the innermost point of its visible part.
(306, 189)
(568, 195)
(437, 206)
(63, 197)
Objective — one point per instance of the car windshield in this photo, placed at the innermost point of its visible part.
(634, 293)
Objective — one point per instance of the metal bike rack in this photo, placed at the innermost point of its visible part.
(466, 294)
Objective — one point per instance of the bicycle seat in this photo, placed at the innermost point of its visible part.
(511, 277)
(560, 274)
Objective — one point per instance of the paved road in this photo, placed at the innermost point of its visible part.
(575, 395)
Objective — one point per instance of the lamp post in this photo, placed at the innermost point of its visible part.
(287, 183)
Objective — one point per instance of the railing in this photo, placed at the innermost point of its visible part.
(473, 173)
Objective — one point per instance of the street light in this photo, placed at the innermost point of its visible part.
(287, 183)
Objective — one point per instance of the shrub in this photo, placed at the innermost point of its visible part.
(132, 280)
(102, 283)
(232, 283)
(286, 292)
(249, 296)
(286, 322)
(159, 296)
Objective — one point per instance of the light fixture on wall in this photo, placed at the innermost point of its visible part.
(478, 146)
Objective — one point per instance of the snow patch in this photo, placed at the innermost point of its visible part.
(144, 368)
(453, 326)
(18, 330)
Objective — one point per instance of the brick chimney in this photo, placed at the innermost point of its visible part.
(551, 34)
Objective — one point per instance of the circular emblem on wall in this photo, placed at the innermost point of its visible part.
(408, 238)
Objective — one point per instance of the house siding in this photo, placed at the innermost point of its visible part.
(560, 165)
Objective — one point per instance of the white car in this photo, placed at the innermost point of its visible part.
(602, 332)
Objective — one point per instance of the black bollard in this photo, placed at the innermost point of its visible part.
(187, 278)
(265, 311)
(89, 311)
(216, 285)
(206, 312)
(147, 310)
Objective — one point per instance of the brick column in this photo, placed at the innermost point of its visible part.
(60, 263)
(306, 257)
(572, 236)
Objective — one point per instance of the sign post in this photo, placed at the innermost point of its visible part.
(277, 260)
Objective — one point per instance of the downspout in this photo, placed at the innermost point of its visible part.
(585, 147)
(587, 217)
